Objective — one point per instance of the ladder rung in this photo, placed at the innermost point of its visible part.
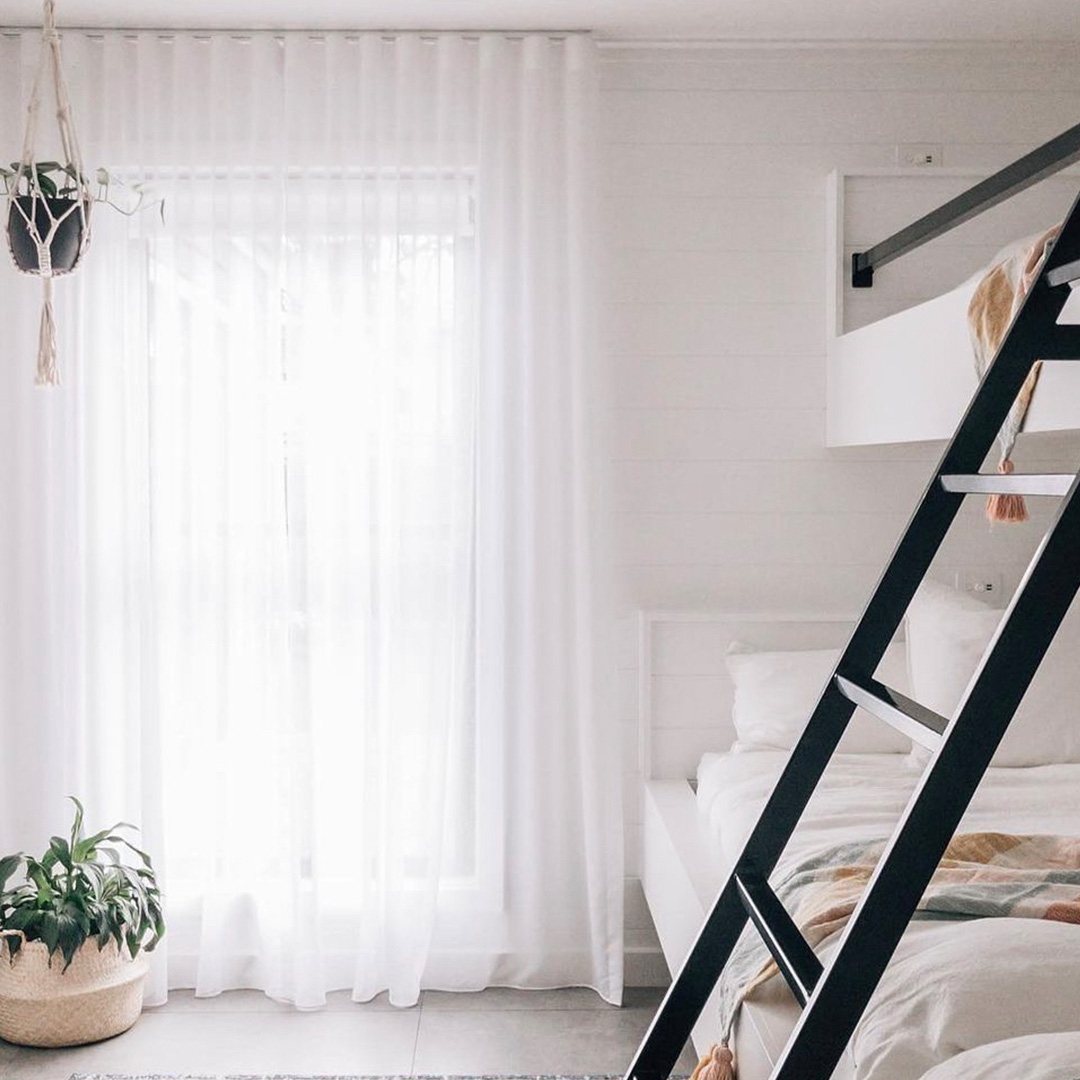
(1063, 275)
(1062, 342)
(791, 951)
(908, 717)
(1014, 484)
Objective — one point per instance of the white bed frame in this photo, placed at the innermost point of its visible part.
(684, 709)
(909, 377)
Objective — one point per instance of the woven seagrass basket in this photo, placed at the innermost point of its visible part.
(100, 994)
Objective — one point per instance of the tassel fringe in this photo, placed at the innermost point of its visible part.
(1007, 508)
(48, 374)
(717, 1064)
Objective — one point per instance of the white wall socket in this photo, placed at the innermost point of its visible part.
(920, 154)
(987, 586)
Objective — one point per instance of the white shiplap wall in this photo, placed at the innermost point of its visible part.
(714, 195)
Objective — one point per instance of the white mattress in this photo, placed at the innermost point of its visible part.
(863, 795)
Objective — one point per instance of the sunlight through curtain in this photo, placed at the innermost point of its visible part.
(305, 572)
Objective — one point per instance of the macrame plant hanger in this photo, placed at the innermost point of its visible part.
(48, 233)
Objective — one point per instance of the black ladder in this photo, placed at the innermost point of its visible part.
(834, 997)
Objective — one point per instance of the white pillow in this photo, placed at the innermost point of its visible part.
(953, 986)
(775, 692)
(1050, 1056)
(947, 634)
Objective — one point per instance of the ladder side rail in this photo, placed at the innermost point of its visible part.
(1032, 334)
(938, 803)
(865, 950)
(690, 989)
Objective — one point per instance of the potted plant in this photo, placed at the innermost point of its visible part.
(75, 926)
(44, 203)
(44, 200)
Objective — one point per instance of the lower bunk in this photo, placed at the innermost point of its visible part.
(957, 985)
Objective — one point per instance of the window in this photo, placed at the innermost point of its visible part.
(312, 384)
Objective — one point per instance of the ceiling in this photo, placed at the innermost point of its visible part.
(779, 20)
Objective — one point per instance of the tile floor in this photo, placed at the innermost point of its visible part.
(496, 1031)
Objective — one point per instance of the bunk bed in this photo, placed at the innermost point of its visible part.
(909, 376)
(717, 853)
(699, 807)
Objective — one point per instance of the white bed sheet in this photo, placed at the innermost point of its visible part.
(862, 796)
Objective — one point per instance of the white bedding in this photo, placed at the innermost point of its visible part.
(1030, 1057)
(863, 795)
(951, 986)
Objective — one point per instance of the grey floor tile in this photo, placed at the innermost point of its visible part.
(255, 1001)
(546, 1041)
(7, 1055)
(232, 1001)
(309, 1043)
(558, 1031)
(498, 999)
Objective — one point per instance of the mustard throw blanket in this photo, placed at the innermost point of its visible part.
(996, 300)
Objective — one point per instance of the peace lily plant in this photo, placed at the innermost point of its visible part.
(77, 921)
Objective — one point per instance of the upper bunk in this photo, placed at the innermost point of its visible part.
(900, 360)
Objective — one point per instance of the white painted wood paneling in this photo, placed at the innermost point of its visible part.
(715, 169)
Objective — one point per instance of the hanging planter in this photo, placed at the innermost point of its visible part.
(46, 227)
(48, 202)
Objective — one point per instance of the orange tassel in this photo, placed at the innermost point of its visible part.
(717, 1064)
(1007, 508)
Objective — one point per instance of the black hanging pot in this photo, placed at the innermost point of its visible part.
(67, 244)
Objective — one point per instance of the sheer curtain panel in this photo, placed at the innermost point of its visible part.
(301, 567)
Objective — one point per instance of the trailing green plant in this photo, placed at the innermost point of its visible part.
(57, 181)
(81, 888)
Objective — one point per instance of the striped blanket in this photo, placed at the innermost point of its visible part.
(982, 875)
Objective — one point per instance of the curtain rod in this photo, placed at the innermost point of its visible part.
(242, 34)
(691, 44)
(894, 44)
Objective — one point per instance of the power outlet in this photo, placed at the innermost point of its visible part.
(986, 586)
(922, 155)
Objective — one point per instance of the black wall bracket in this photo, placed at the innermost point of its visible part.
(1053, 156)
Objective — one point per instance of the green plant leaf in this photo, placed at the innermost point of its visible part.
(46, 185)
(81, 889)
(142, 854)
(50, 931)
(85, 848)
(70, 937)
(77, 824)
(59, 847)
(8, 865)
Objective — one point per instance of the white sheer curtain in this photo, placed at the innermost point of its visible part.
(302, 570)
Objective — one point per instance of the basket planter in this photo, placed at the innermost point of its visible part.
(67, 245)
(98, 996)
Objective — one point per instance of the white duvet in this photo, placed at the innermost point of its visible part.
(863, 795)
(1030, 1057)
(951, 987)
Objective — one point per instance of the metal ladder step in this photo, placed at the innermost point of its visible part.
(794, 957)
(1014, 484)
(1063, 275)
(910, 718)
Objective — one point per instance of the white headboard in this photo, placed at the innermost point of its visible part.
(684, 693)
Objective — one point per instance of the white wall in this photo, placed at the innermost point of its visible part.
(715, 317)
